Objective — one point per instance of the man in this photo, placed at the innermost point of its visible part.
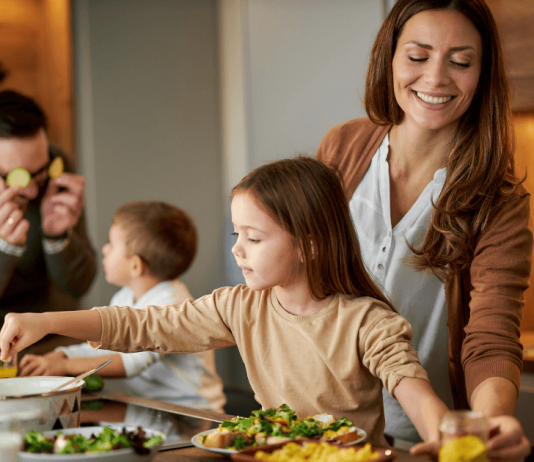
(46, 259)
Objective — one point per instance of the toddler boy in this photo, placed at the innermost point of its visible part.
(151, 244)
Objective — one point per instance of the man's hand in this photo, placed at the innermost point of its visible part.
(53, 363)
(61, 208)
(13, 226)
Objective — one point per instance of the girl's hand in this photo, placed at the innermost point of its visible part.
(20, 330)
(53, 363)
(508, 443)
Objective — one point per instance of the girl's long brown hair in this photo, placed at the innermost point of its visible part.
(307, 199)
(480, 169)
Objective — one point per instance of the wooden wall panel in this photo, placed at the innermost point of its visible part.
(35, 39)
(515, 20)
(524, 128)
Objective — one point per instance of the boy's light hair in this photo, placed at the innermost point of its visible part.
(161, 234)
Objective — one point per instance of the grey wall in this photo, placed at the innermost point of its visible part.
(148, 119)
(307, 63)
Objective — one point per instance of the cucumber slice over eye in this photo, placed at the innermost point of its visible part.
(18, 177)
(56, 168)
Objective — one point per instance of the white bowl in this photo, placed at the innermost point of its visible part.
(28, 403)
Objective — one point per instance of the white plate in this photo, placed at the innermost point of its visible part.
(196, 440)
(116, 455)
(359, 440)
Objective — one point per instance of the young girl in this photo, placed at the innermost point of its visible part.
(314, 330)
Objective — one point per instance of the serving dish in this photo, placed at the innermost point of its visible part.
(116, 455)
(197, 441)
(53, 410)
(247, 455)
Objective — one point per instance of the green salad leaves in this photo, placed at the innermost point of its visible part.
(108, 440)
(279, 422)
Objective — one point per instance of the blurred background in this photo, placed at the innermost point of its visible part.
(177, 100)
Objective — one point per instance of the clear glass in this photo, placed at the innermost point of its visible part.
(9, 368)
(457, 424)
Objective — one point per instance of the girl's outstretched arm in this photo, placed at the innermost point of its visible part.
(423, 407)
(20, 330)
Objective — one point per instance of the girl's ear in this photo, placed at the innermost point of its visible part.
(301, 257)
(137, 266)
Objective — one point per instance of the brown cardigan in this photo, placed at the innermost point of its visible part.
(484, 304)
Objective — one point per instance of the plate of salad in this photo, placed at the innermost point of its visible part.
(92, 444)
(273, 426)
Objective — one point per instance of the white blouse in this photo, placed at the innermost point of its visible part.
(418, 296)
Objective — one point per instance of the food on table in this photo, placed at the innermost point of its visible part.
(278, 425)
(318, 452)
(108, 440)
(56, 168)
(18, 177)
(93, 383)
(468, 448)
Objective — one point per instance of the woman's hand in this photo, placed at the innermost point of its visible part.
(509, 444)
(53, 363)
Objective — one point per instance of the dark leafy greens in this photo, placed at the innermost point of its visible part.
(108, 440)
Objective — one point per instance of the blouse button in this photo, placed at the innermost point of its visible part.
(383, 249)
(380, 266)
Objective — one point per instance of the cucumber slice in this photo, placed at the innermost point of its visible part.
(18, 177)
(56, 168)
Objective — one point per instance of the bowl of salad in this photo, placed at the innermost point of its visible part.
(92, 444)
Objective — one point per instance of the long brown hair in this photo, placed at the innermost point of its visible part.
(480, 168)
(307, 199)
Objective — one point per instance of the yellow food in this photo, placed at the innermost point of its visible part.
(56, 168)
(8, 371)
(318, 452)
(464, 449)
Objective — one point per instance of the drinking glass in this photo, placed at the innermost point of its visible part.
(464, 435)
(9, 368)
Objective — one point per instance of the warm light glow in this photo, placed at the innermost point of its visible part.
(524, 157)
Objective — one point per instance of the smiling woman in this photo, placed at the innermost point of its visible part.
(436, 67)
(441, 214)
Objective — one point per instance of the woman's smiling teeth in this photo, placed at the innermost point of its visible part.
(432, 99)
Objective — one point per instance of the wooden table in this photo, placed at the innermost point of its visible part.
(194, 454)
(199, 455)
